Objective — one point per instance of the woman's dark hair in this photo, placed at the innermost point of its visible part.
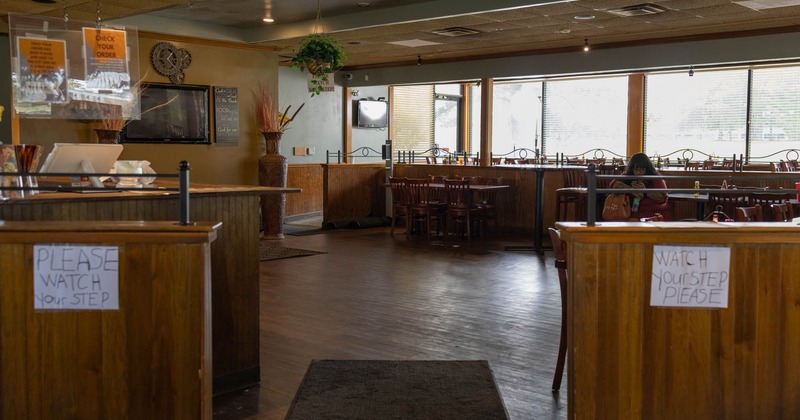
(640, 160)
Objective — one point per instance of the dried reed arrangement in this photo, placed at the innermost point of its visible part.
(270, 119)
(111, 115)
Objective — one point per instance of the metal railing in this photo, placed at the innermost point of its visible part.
(592, 176)
(182, 189)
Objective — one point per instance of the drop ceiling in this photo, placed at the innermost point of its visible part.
(376, 35)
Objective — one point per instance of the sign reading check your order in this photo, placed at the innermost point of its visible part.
(75, 277)
(690, 276)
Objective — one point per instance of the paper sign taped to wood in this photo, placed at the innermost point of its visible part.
(74, 277)
(690, 276)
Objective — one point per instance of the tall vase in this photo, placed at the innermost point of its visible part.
(272, 170)
(107, 136)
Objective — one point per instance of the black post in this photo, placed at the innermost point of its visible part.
(183, 168)
(591, 194)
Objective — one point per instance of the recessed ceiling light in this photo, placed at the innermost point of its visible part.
(268, 20)
(563, 31)
(584, 17)
(363, 4)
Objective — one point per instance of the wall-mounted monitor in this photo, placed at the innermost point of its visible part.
(171, 114)
(373, 113)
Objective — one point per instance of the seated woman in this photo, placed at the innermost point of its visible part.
(644, 204)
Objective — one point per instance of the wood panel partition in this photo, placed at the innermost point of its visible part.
(628, 359)
(307, 177)
(234, 256)
(353, 191)
(148, 356)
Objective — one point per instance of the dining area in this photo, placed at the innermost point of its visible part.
(445, 207)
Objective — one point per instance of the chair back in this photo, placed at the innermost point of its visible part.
(574, 178)
(489, 196)
(457, 193)
(749, 214)
(399, 190)
(728, 202)
(509, 161)
(708, 164)
(430, 160)
(767, 199)
(782, 212)
(418, 190)
(607, 170)
(691, 166)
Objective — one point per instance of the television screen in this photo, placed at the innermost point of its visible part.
(170, 114)
(373, 114)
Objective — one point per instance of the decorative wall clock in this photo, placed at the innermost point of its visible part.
(169, 61)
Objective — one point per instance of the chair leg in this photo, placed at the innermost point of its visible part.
(562, 349)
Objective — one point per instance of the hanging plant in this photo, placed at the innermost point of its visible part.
(322, 56)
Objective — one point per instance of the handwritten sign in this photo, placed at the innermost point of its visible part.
(70, 277)
(690, 276)
(226, 115)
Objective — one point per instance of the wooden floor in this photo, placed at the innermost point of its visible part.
(374, 296)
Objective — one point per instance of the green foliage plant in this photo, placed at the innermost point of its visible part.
(321, 55)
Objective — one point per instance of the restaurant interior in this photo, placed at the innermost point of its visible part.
(463, 221)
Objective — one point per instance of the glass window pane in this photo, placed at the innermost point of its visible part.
(449, 89)
(705, 112)
(586, 114)
(446, 126)
(475, 117)
(775, 112)
(516, 120)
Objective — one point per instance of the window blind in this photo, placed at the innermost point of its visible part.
(413, 118)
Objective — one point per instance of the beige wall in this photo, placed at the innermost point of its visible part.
(214, 65)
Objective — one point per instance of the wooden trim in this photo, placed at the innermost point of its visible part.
(635, 113)
(208, 42)
(347, 123)
(487, 107)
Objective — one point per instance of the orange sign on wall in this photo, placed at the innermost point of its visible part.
(106, 50)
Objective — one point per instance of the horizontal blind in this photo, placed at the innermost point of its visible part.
(775, 113)
(413, 118)
(585, 114)
(706, 112)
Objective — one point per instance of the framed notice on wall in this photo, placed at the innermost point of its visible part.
(226, 115)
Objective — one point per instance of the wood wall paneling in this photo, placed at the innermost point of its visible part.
(353, 191)
(635, 361)
(307, 177)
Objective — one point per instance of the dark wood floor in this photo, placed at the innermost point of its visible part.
(374, 296)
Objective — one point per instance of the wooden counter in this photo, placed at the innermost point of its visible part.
(234, 256)
(630, 360)
(129, 333)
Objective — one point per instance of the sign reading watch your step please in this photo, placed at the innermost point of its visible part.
(75, 277)
(690, 276)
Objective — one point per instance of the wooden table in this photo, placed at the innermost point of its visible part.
(234, 255)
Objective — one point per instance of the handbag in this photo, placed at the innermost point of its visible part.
(617, 207)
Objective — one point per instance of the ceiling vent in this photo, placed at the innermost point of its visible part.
(643, 9)
(455, 31)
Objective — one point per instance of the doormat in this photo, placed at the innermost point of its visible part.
(393, 389)
(269, 251)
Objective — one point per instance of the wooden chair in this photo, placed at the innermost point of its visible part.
(573, 193)
(487, 200)
(782, 212)
(496, 161)
(708, 165)
(786, 167)
(691, 166)
(509, 161)
(460, 211)
(727, 203)
(749, 214)
(560, 250)
(431, 160)
(766, 199)
(422, 210)
(399, 201)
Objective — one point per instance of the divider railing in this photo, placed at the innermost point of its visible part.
(592, 176)
(182, 188)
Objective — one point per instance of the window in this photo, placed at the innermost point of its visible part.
(413, 118)
(774, 112)
(585, 114)
(447, 117)
(516, 121)
(706, 112)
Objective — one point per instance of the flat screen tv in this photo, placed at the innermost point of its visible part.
(373, 114)
(183, 120)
